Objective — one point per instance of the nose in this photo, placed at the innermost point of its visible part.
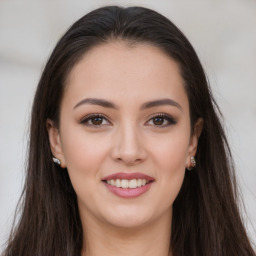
(128, 148)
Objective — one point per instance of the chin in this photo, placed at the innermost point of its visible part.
(128, 221)
(130, 217)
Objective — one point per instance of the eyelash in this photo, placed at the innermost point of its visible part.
(90, 117)
(170, 120)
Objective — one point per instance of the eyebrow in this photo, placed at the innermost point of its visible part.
(108, 104)
(99, 102)
(161, 102)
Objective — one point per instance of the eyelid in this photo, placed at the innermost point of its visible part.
(168, 117)
(93, 115)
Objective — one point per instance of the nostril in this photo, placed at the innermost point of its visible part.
(129, 161)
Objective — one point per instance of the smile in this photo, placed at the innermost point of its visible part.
(134, 183)
(128, 185)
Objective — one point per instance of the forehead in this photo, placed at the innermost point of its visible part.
(118, 70)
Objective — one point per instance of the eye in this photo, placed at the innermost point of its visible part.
(95, 120)
(161, 120)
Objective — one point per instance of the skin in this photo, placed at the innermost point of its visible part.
(129, 138)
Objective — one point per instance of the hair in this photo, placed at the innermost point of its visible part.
(206, 219)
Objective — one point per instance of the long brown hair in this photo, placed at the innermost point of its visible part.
(206, 219)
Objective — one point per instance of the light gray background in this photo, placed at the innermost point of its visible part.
(222, 32)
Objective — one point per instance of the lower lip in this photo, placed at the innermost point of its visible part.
(128, 192)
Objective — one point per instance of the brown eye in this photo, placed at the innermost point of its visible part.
(97, 120)
(159, 120)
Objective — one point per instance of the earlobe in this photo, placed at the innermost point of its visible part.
(55, 142)
(198, 127)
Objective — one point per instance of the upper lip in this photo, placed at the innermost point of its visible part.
(128, 176)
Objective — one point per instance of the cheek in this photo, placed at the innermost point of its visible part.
(169, 158)
(172, 163)
(84, 153)
(84, 156)
(171, 152)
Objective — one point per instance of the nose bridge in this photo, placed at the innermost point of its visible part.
(128, 147)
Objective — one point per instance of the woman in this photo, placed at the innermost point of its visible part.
(127, 153)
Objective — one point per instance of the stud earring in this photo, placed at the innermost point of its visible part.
(56, 160)
(192, 163)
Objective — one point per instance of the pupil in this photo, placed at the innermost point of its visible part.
(158, 120)
(97, 120)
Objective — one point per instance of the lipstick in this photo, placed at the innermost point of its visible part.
(128, 176)
(128, 185)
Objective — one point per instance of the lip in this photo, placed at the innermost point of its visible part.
(128, 192)
(128, 176)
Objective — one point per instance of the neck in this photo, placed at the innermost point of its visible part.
(148, 240)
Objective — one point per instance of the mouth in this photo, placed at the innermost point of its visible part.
(128, 184)
(123, 183)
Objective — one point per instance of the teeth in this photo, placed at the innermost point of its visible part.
(133, 183)
(123, 183)
(118, 183)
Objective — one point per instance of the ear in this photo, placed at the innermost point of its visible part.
(198, 127)
(55, 142)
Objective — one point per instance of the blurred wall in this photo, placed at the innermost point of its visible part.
(222, 32)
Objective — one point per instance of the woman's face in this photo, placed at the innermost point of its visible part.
(124, 134)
